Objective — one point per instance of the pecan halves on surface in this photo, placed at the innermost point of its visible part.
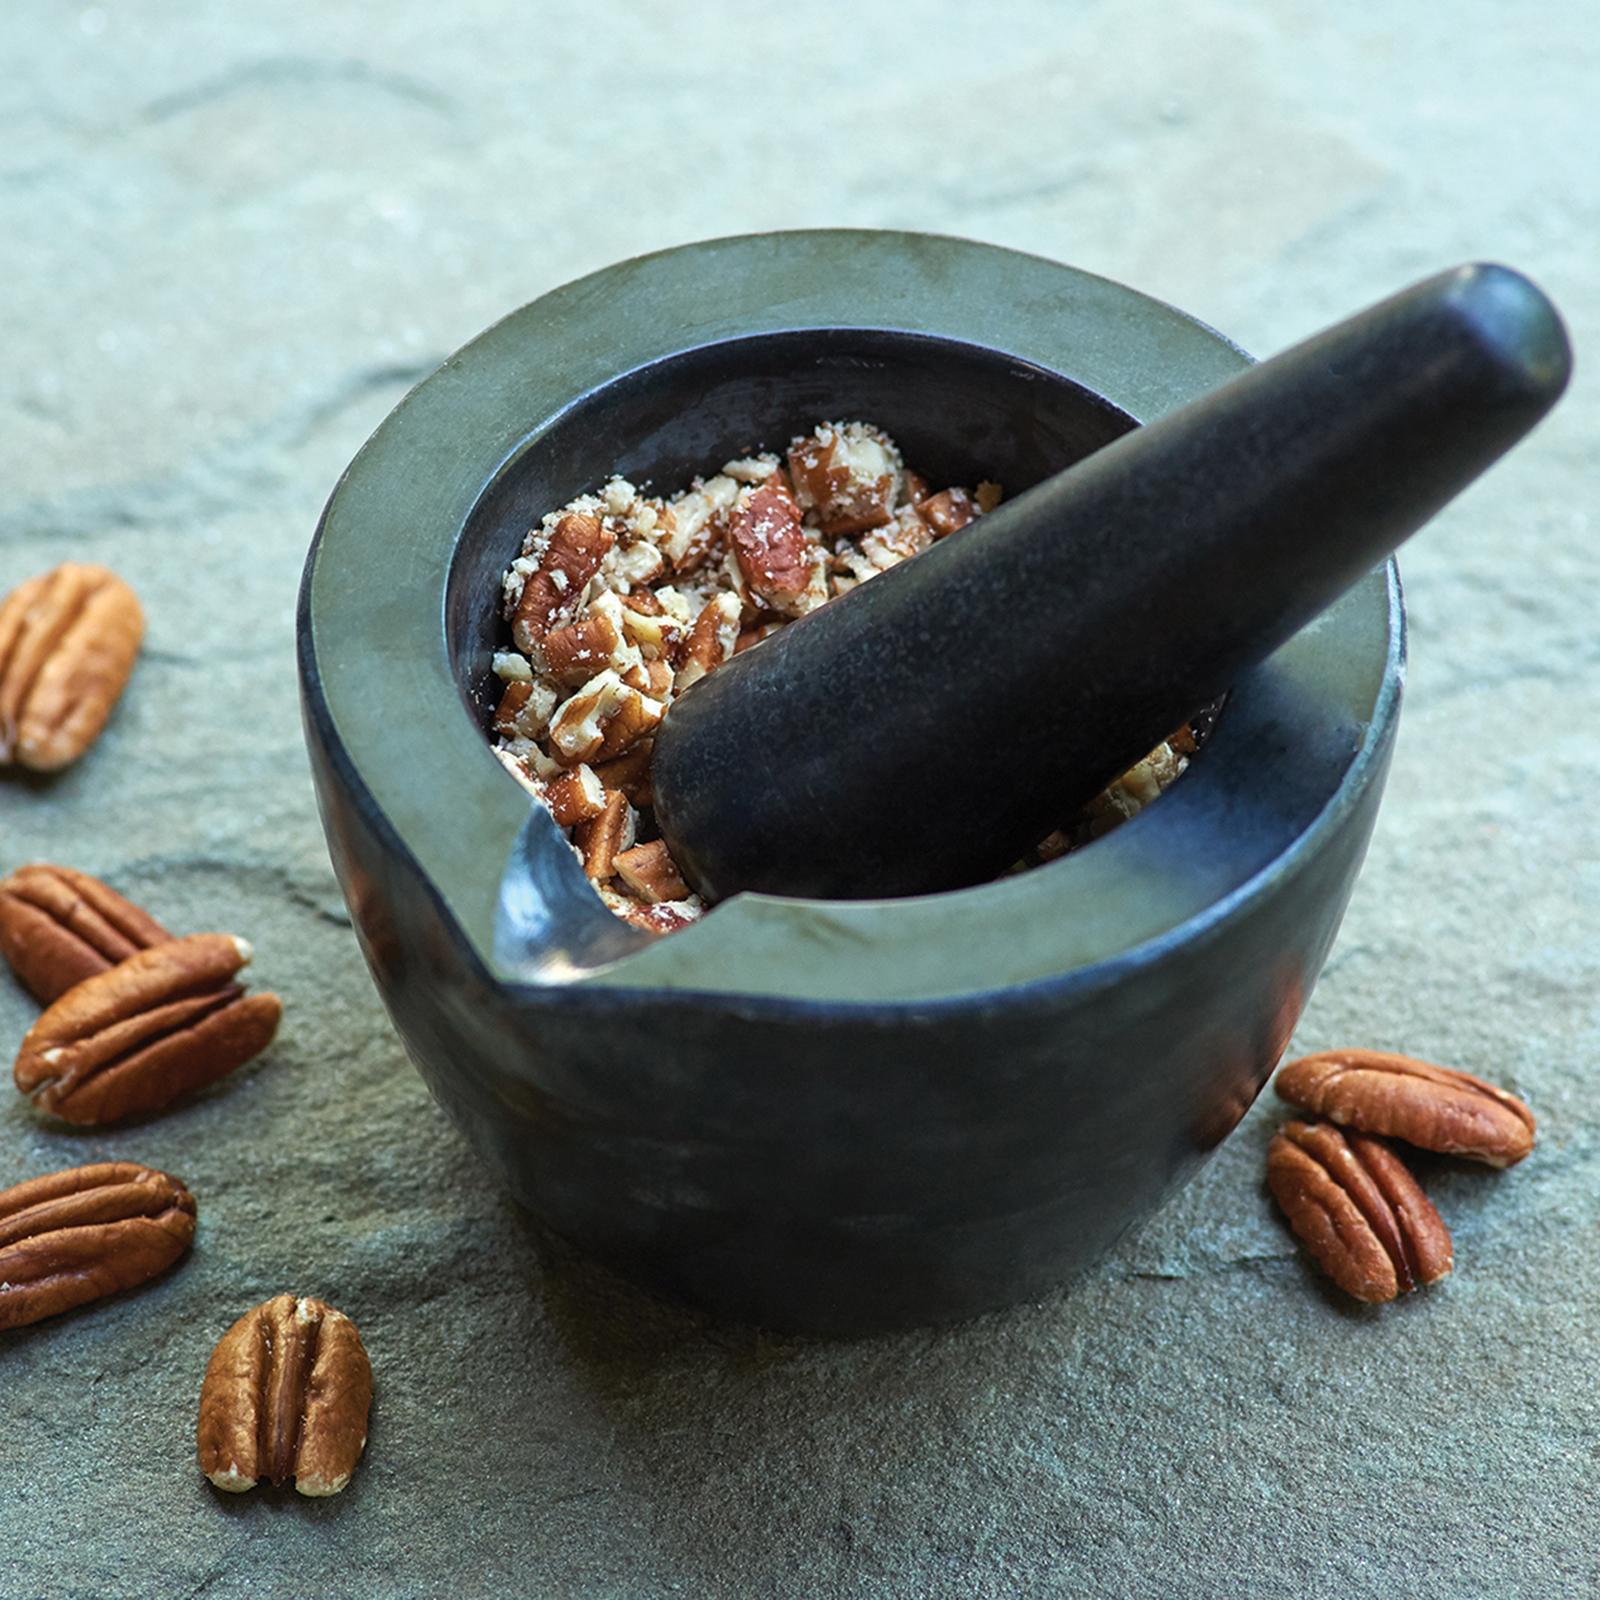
(75, 1236)
(286, 1395)
(1356, 1208)
(1433, 1108)
(166, 1021)
(68, 640)
(58, 927)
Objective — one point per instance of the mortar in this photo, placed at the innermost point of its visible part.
(828, 1116)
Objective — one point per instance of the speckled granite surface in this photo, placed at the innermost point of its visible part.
(234, 236)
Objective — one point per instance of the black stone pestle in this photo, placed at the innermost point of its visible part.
(926, 730)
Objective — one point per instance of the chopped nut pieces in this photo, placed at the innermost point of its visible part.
(164, 1022)
(286, 1395)
(1357, 1210)
(58, 927)
(619, 602)
(72, 1237)
(68, 641)
(1434, 1108)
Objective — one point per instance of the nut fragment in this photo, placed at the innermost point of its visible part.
(74, 1236)
(651, 873)
(947, 512)
(129, 1040)
(286, 1395)
(1434, 1108)
(68, 640)
(1357, 1210)
(712, 639)
(58, 927)
(850, 473)
(771, 547)
(577, 546)
(602, 839)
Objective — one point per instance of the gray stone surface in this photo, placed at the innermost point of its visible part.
(233, 236)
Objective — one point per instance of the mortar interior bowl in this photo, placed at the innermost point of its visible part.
(832, 1117)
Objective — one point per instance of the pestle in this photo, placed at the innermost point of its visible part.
(924, 731)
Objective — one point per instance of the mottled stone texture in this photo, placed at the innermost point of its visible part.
(234, 236)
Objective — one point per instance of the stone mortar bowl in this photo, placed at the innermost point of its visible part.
(836, 1116)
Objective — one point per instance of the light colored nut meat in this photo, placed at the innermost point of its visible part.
(578, 728)
(849, 473)
(286, 1395)
(577, 652)
(68, 641)
(668, 917)
(650, 872)
(130, 1040)
(575, 796)
(988, 497)
(71, 1237)
(1359, 1212)
(711, 640)
(652, 678)
(637, 717)
(577, 546)
(58, 927)
(1434, 1108)
(602, 839)
(947, 512)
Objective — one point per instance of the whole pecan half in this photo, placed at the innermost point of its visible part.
(1434, 1108)
(286, 1395)
(1357, 1210)
(158, 1025)
(58, 927)
(68, 640)
(71, 1237)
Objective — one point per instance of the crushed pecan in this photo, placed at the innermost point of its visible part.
(1357, 1210)
(1433, 1108)
(620, 602)
(59, 926)
(650, 873)
(555, 589)
(286, 1396)
(603, 838)
(71, 1237)
(68, 640)
(777, 559)
(128, 1041)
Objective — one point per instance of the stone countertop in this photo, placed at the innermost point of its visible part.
(235, 236)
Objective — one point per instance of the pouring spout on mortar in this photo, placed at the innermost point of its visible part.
(923, 732)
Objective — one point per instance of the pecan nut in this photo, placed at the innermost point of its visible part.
(577, 545)
(75, 1236)
(68, 640)
(286, 1395)
(1433, 1108)
(58, 927)
(1357, 1209)
(127, 1041)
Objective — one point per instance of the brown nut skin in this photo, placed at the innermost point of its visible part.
(1355, 1207)
(59, 926)
(68, 641)
(286, 1395)
(1433, 1108)
(128, 1041)
(71, 1237)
